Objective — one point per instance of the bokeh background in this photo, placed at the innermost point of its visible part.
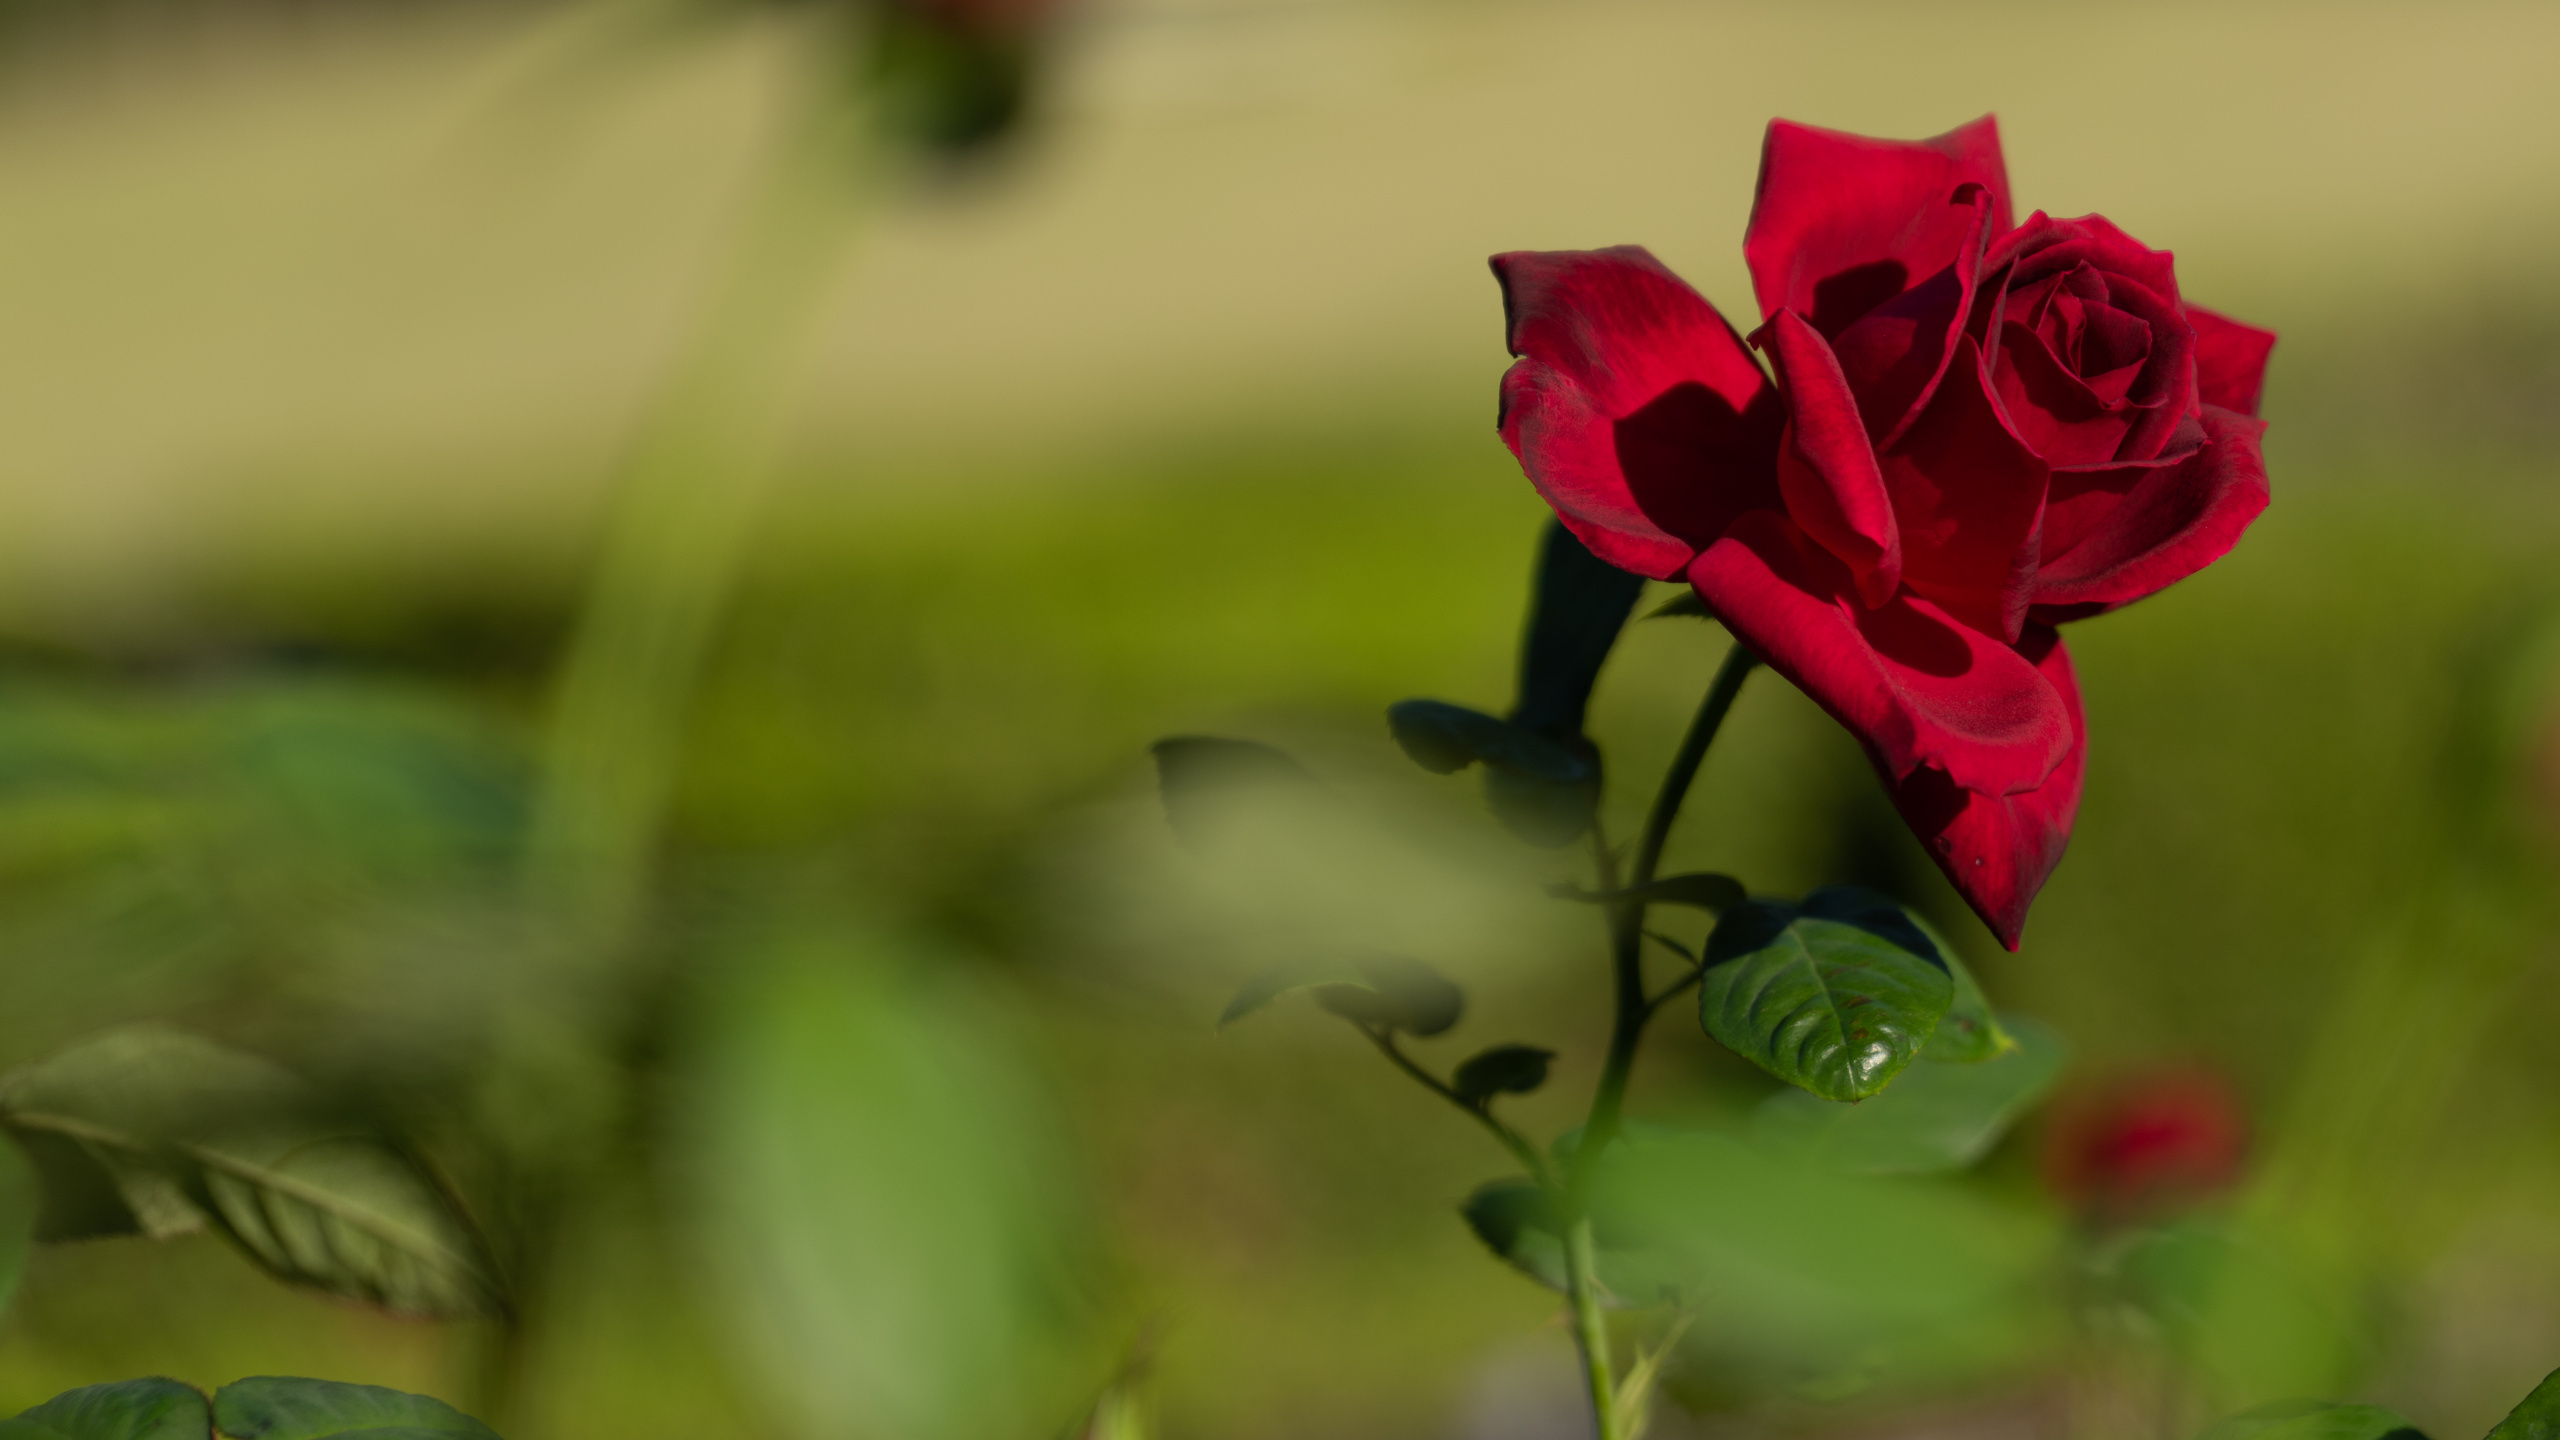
(334, 337)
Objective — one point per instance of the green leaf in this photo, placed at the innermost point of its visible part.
(276, 1407)
(1970, 1031)
(1401, 994)
(1940, 1115)
(1265, 986)
(1580, 604)
(19, 1199)
(1835, 995)
(1444, 739)
(2315, 1420)
(1201, 775)
(1516, 1219)
(1542, 788)
(2250, 1308)
(126, 1410)
(2536, 1417)
(155, 1130)
(1810, 1269)
(878, 1192)
(1503, 1070)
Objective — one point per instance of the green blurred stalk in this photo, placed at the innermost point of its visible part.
(692, 489)
(688, 498)
(1633, 1009)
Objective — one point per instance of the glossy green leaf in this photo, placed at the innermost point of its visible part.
(1940, 1115)
(153, 1130)
(2536, 1417)
(1502, 1070)
(1401, 994)
(878, 1193)
(1835, 995)
(276, 1407)
(2314, 1420)
(1199, 776)
(126, 1410)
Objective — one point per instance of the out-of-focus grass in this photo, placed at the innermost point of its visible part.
(928, 701)
(1225, 465)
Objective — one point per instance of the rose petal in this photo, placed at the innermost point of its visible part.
(2231, 360)
(2054, 411)
(2171, 521)
(1827, 467)
(2000, 849)
(1968, 494)
(1896, 356)
(1916, 688)
(1634, 408)
(1841, 223)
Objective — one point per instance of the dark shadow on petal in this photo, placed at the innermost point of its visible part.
(1693, 463)
(1840, 300)
(1916, 641)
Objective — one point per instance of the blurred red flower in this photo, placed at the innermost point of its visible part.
(2146, 1144)
(1976, 431)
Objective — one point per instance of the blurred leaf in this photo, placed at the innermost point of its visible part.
(1542, 788)
(1265, 986)
(155, 1130)
(1444, 739)
(1200, 774)
(1540, 811)
(19, 1198)
(879, 1195)
(2244, 1306)
(2315, 1420)
(1685, 604)
(1401, 994)
(2536, 1417)
(1705, 891)
(277, 1407)
(1816, 1270)
(1503, 1070)
(1578, 605)
(1970, 1031)
(125, 1410)
(1835, 995)
(1941, 1115)
(1516, 1219)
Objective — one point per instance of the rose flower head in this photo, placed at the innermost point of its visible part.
(1970, 432)
(2146, 1145)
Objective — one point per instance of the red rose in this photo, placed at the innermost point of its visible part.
(1976, 432)
(2146, 1144)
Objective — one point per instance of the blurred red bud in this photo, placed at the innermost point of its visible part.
(2146, 1143)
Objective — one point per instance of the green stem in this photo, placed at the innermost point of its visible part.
(1512, 1140)
(1626, 921)
(1590, 1331)
(1633, 1009)
(691, 490)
